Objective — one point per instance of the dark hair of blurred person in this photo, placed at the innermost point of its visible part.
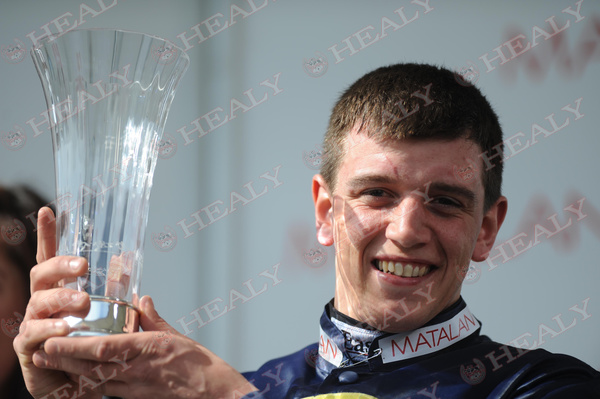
(18, 245)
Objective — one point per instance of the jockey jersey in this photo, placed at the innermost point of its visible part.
(446, 358)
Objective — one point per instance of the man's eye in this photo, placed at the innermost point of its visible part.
(446, 202)
(376, 192)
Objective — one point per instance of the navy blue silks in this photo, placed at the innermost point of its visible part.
(472, 366)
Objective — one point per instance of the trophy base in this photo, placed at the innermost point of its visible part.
(106, 316)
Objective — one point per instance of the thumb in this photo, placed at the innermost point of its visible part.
(46, 235)
(149, 318)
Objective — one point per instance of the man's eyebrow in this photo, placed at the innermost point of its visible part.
(461, 191)
(362, 180)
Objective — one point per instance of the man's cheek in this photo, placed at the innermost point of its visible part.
(357, 226)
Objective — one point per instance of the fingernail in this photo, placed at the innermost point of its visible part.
(40, 358)
(149, 302)
(60, 325)
(77, 296)
(75, 263)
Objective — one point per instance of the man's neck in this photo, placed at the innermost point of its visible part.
(332, 312)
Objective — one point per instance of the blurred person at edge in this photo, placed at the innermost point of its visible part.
(17, 256)
(408, 202)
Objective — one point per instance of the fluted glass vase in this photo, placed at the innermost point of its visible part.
(108, 94)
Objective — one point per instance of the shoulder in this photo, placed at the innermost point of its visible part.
(481, 368)
(530, 372)
(279, 375)
(500, 355)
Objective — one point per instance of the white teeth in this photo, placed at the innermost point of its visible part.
(401, 270)
(415, 271)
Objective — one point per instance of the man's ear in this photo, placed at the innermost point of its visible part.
(490, 226)
(323, 210)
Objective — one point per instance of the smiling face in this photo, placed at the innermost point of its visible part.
(404, 227)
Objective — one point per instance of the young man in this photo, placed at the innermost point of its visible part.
(405, 197)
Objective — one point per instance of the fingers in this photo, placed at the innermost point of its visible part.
(123, 365)
(149, 318)
(109, 378)
(47, 274)
(46, 233)
(34, 332)
(89, 368)
(119, 274)
(57, 302)
(118, 348)
(86, 377)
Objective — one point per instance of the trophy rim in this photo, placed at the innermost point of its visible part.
(49, 39)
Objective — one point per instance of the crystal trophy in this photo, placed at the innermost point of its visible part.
(108, 94)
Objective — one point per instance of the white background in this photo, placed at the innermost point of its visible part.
(518, 297)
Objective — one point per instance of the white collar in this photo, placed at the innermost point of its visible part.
(402, 346)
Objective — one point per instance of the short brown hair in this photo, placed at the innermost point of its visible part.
(415, 101)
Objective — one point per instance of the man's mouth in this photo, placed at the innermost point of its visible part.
(402, 269)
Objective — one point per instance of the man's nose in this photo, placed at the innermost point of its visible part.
(407, 225)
